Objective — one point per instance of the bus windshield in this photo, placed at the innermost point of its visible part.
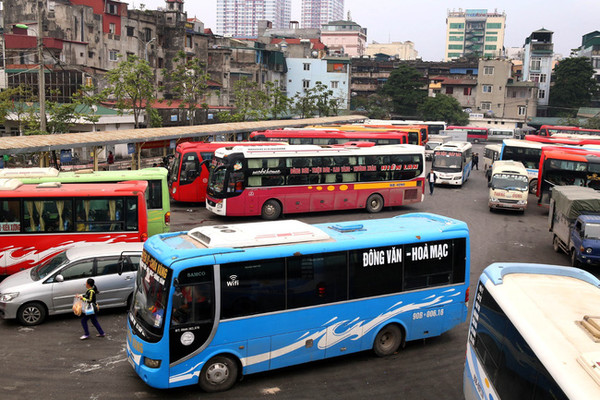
(151, 294)
(447, 161)
(510, 182)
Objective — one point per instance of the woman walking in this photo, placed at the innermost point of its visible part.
(90, 298)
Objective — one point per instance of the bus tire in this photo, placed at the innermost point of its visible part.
(30, 314)
(533, 186)
(387, 341)
(374, 203)
(271, 210)
(219, 374)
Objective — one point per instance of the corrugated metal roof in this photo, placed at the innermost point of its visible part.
(35, 143)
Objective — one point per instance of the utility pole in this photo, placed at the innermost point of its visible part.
(41, 77)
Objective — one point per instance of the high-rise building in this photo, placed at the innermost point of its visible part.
(537, 65)
(239, 18)
(474, 32)
(318, 12)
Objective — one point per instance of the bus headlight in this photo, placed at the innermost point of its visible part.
(6, 297)
(151, 363)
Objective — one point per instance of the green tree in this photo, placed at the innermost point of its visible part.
(305, 103)
(592, 123)
(278, 102)
(379, 106)
(251, 103)
(573, 86)
(443, 108)
(188, 82)
(405, 88)
(89, 98)
(132, 86)
(14, 100)
(61, 118)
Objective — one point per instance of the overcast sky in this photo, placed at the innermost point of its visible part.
(423, 22)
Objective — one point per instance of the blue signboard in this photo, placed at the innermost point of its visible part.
(66, 156)
(130, 148)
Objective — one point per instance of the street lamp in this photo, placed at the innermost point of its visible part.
(145, 46)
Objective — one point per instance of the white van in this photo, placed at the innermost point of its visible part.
(509, 186)
(498, 135)
(434, 141)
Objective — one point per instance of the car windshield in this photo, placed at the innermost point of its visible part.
(510, 182)
(42, 270)
(592, 231)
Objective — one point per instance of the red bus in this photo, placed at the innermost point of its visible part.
(247, 181)
(327, 137)
(416, 134)
(582, 140)
(188, 173)
(474, 133)
(551, 130)
(38, 221)
(561, 166)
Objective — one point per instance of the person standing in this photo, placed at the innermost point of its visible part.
(476, 161)
(111, 158)
(90, 297)
(431, 178)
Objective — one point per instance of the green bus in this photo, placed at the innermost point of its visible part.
(157, 195)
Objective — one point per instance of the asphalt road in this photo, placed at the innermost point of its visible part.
(50, 362)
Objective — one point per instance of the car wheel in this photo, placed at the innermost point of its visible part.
(374, 203)
(388, 340)
(31, 314)
(271, 210)
(533, 186)
(218, 374)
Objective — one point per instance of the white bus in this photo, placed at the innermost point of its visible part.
(452, 163)
(491, 153)
(526, 152)
(534, 334)
(434, 127)
(498, 135)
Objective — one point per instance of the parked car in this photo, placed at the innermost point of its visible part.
(49, 288)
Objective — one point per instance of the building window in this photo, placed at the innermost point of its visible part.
(456, 38)
(522, 110)
(457, 26)
(486, 105)
(112, 28)
(491, 38)
(160, 62)
(534, 77)
(536, 64)
(467, 91)
(486, 88)
(490, 47)
(112, 9)
(306, 66)
(542, 78)
(494, 25)
(541, 94)
(147, 34)
(487, 70)
(113, 55)
(334, 84)
(130, 31)
(188, 41)
(455, 47)
(449, 90)
(305, 84)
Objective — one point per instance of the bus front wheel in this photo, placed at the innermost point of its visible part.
(388, 340)
(218, 374)
(374, 203)
(271, 210)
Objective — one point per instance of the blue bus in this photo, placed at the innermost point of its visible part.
(222, 301)
(533, 334)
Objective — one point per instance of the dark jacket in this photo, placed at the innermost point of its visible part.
(431, 177)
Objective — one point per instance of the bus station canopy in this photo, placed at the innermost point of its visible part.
(42, 143)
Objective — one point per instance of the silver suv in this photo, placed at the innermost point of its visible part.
(49, 288)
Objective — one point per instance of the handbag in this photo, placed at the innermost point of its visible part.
(77, 306)
(89, 309)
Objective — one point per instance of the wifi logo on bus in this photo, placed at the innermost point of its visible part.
(233, 281)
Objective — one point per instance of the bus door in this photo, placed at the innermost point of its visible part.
(193, 310)
(189, 175)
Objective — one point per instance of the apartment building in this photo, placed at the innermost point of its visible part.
(475, 32)
(400, 50)
(590, 48)
(537, 65)
(239, 18)
(315, 13)
(345, 38)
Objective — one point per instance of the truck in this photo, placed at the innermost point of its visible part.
(574, 221)
(434, 141)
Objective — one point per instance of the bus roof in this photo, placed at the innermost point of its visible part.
(304, 150)
(548, 305)
(33, 175)
(212, 146)
(15, 188)
(273, 233)
(454, 127)
(455, 146)
(508, 167)
(523, 143)
(300, 133)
